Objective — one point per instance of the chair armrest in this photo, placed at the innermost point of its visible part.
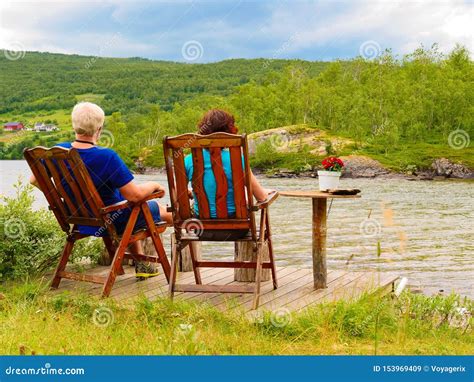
(117, 206)
(127, 204)
(271, 197)
(155, 195)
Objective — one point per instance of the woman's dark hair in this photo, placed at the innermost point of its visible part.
(217, 120)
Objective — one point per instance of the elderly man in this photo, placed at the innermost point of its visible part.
(112, 178)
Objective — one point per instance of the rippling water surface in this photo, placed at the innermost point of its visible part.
(425, 229)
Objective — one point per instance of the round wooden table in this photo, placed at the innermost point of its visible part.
(319, 230)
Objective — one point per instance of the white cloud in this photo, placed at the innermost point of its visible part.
(403, 25)
(79, 27)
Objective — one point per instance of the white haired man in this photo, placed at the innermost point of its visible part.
(112, 178)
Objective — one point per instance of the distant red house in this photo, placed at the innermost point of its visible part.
(13, 126)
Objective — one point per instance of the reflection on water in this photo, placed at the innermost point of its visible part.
(425, 229)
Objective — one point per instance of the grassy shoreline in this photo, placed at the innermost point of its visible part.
(35, 321)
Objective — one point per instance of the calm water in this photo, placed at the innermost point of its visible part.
(425, 229)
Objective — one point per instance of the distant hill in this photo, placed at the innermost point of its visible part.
(406, 112)
(47, 81)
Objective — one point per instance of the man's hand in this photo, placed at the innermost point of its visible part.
(157, 187)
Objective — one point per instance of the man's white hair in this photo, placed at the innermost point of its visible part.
(87, 118)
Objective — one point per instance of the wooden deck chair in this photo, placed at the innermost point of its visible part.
(74, 200)
(186, 225)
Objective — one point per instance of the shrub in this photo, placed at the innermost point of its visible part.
(30, 239)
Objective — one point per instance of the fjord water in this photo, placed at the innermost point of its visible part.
(425, 229)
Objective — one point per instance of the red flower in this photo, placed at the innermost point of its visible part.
(332, 164)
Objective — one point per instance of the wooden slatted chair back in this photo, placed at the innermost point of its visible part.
(176, 148)
(67, 186)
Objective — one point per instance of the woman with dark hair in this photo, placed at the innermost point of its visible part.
(215, 121)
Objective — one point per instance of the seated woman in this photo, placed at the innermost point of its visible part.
(214, 121)
(112, 178)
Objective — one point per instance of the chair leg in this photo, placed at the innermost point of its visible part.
(155, 236)
(109, 245)
(120, 252)
(270, 252)
(174, 270)
(196, 270)
(63, 261)
(258, 277)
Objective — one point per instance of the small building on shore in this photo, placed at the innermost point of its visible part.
(13, 126)
(39, 127)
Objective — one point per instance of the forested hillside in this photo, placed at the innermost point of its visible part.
(46, 81)
(400, 110)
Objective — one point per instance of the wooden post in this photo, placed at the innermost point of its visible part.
(185, 263)
(104, 257)
(319, 243)
(244, 252)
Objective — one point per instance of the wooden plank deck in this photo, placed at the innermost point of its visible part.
(295, 291)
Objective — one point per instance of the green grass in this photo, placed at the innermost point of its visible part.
(37, 322)
(90, 97)
(420, 155)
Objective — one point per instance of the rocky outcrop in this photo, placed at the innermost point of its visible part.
(444, 167)
(294, 138)
(357, 166)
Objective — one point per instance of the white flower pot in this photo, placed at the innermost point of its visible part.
(328, 180)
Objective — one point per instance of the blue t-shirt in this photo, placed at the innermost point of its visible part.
(209, 181)
(107, 170)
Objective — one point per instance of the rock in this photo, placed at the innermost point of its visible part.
(293, 138)
(357, 166)
(283, 173)
(139, 167)
(444, 167)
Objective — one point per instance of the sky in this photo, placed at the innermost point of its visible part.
(208, 31)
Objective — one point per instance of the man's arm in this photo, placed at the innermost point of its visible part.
(135, 192)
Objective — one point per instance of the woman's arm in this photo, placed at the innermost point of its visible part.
(259, 192)
(135, 192)
(33, 181)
